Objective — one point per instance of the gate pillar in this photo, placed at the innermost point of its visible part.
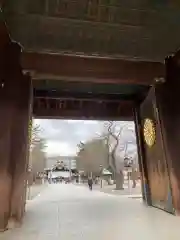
(15, 95)
(6, 116)
(19, 149)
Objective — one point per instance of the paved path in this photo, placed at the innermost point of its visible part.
(69, 212)
(35, 190)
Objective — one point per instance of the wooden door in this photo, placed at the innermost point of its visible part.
(154, 155)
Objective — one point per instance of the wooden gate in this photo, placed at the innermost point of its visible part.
(158, 180)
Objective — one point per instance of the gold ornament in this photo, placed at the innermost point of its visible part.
(149, 132)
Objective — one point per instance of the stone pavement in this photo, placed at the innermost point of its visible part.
(34, 190)
(69, 212)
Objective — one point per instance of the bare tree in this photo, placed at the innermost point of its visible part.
(35, 141)
(34, 132)
(92, 156)
(37, 158)
(113, 137)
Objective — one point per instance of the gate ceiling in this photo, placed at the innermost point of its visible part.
(133, 29)
(107, 50)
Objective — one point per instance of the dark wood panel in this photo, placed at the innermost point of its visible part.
(155, 157)
(94, 69)
(114, 12)
(168, 104)
(40, 33)
(82, 109)
(131, 30)
(4, 37)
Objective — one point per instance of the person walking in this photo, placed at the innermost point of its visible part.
(50, 177)
(90, 183)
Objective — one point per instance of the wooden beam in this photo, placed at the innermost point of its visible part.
(84, 95)
(84, 109)
(94, 69)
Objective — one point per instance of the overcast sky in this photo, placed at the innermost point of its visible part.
(62, 136)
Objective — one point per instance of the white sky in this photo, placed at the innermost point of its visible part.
(62, 136)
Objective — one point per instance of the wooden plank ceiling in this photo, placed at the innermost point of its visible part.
(133, 29)
(116, 42)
